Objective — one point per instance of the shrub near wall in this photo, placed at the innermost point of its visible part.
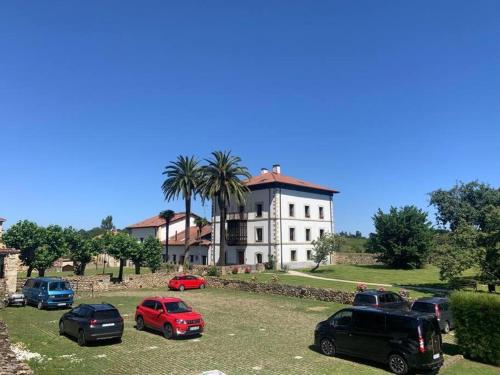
(477, 324)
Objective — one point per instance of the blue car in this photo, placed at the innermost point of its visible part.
(46, 292)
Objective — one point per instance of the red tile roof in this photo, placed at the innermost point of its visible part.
(157, 221)
(273, 178)
(193, 236)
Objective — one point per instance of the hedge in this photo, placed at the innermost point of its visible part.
(477, 325)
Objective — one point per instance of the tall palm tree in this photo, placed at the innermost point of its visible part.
(167, 215)
(200, 223)
(222, 182)
(183, 179)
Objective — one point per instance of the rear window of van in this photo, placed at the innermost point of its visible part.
(365, 299)
(423, 307)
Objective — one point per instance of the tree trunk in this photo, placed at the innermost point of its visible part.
(82, 268)
(120, 272)
(222, 239)
(315, 267)
(491, 288)
(30, 270)
(186, 227)
(166, 241)
(41, 272)
(137, 268)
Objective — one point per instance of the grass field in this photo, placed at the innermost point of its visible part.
(353, 245)
(245, 334)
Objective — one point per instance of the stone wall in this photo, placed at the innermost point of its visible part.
(11, 264)
(3, 292)
(355, 258)
(224, 270)
(9, 364)
(319, 294)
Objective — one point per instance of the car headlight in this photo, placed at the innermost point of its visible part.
(180, 321)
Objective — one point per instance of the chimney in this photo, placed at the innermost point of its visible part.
(277, 168)
(264, 170)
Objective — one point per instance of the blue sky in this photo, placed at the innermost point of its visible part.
(385, 101)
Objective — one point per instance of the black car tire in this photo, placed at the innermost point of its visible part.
(446, 328)
(398, 364)
(81, 338)
(39, 306)
(61, 328)
(202, 286)
(327, 347)
(181, 288)
(168, 331)
(139, 323)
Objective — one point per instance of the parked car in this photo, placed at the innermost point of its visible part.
(47, 292)
(170, 316)
(405, 340)
(92, 322)
(15, 299)
(438, 306)
(186, 282)
(383, 299)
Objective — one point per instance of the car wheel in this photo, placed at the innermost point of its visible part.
(446, 328)
(139, 323)
(202, 286)
(39, 305)
(181, 288)
(327, 347)
(61, 328)
(81, 338)
(168, 332)
(398, 364)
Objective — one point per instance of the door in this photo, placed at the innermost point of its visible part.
(157, 316)
(191, 282)
(204, 260)
(369, 336)
(148, 312)
(71, 323)
(182, 259)
(259, 258)
(341, 331)
(241, 256)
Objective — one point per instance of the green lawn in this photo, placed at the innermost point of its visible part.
(353, 245)
(246, 333)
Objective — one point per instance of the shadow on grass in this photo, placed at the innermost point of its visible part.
(180, 338)
(451, 349)
(96, 343)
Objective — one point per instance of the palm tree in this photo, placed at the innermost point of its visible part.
(183, 179)
(222, 183)
(167, 215)
(200, 223)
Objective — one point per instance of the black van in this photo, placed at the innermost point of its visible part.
(405, 340)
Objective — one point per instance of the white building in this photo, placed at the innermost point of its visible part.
(156, 226)
(281, 217)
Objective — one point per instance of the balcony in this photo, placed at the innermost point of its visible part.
(236, 234)
(237, 216)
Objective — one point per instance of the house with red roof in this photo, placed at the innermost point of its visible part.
(199, 239)
(280, 219)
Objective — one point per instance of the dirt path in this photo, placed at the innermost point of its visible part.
(302, 274)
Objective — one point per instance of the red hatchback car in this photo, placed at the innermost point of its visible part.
(170, 316)
(186, 282)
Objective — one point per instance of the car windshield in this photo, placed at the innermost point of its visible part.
(176, 307)
(423, 307)
(59, 285)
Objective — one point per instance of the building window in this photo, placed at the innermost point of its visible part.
(308, 234)
(174, 258)
(293, 255)
(309, 255)
(191, 259)
(291, 210)
(258, 209)
(259, 258)
(258, 234)
(292, 234)
(321, 233)
(307, 211)
(321, 213)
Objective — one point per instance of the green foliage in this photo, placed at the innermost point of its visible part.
(403, 237)
(121, 246)
(107, 223)
(477, 327)
(464, 203)
(80, 249)
(325, 246)
(457, 252)
(53, 247)
(490, 239)
(27, 237)
(213, 271)
(271, 263)
(152, 250)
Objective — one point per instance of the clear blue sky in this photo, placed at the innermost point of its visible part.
(383, 100)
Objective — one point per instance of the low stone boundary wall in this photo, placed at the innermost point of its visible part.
(224, 270)
(319, 294)
(9, 364)
(355, 258)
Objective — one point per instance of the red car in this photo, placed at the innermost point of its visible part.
(170, 316)
(186, 282)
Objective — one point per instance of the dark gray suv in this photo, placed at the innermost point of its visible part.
(382, 299)
(440, 307)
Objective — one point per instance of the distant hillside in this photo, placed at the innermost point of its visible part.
(354, 245)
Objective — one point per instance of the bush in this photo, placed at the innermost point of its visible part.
(213, 271)
(361, 287)
(234, 271)
(248, 269)
(477, 318)
(270, 264)
(274, 279)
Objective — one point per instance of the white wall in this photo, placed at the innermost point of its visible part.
(197, 251)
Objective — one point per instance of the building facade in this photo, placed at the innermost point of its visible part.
(281, 217)
(9, 263)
